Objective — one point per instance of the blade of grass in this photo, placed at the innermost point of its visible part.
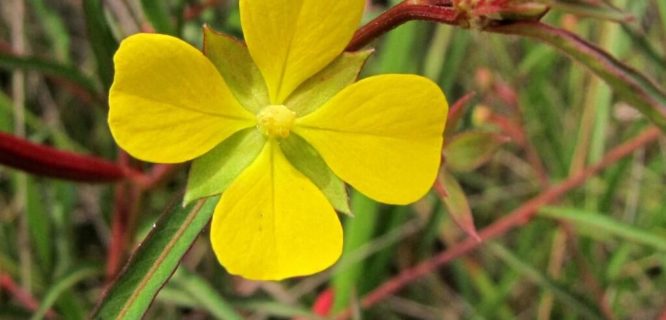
(50, 68)
(39, 223)
(157, 13)
(154, 261)
(597, 10)
(61, 286)
(205, 295)
(359, 229)
(576, 303)
(103, 43)
(599, 222)
(632, 86)
(60, 138)
(54, 27)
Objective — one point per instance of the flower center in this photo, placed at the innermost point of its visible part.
(276, 121)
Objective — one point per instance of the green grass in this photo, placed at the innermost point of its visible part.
(607, 238)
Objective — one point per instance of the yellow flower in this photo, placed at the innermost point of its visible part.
(276, 138)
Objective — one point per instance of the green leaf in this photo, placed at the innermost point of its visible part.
(54, 69)
(39, 223)
(154, 261)
(576, 302)
(456, 204)
(233, 60)
(156, 12)
(308, 161)
(59, 287)
(358, 231)
(202, 292)
(213, 172)
(321, 87)
(104, 45)
(54, 28)
(277, 309)
(632, 86)
(469, 150)
(598, 9)
(602, 225)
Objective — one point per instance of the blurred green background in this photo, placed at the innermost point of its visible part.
(600, 252)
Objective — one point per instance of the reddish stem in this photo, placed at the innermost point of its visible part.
(194, 11)
(157, 175)
(399, 14)
(518, 217)
(46, 161)
(126, 206)
(23, 297)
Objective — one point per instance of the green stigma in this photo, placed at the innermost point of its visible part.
(276, 121)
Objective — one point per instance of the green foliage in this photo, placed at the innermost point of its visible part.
(232, 59)
(321, 87)
(154, 262)
(606, 239)
(213, 173)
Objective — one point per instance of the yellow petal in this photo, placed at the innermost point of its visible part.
(273, 223)
(168, 103)
(383, 135)
(290, 40)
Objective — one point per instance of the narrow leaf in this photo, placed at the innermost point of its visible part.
(156, 12)
(358, 231)
(53, 69)
(154, 261)
(632, 86)
(602, 225)
(104, 45)
(452, 195)
(598, 9)
(61, 286)
(574, 301)
(206, 296)
(39, 225)
(469, 150)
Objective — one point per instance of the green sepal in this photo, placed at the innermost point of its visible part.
(321, 87)
(469, 150)
(233, 61)
(308, 161)
(213, 172)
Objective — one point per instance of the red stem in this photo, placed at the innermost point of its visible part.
(46, 161)
(23, 297)
(399, 14)
(126, 207)
(518, 217)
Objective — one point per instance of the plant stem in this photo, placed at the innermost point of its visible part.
(46, 161)
(516, 218)
(397, 15)
(127, 200)
(22, 296)
(641, 92)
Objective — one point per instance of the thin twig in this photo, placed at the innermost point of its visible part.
(516, 218)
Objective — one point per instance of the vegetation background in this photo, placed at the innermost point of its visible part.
(537, 118)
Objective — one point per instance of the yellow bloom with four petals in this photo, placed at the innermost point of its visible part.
(275, 125)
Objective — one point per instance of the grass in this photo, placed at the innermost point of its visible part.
(596, 253)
